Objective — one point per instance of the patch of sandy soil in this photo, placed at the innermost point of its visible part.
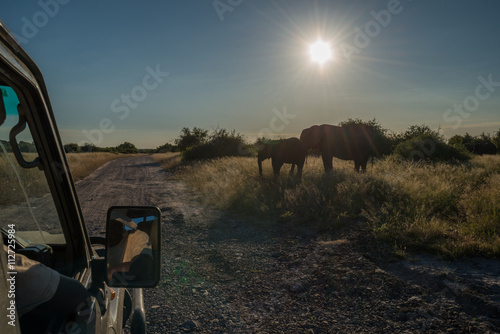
(227, 274)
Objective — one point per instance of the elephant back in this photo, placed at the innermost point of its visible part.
(290, 150)
(316, 136)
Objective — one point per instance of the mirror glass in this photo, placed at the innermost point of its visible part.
(133, 246)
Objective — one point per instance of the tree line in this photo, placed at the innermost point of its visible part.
(125, 148)
(417, 142)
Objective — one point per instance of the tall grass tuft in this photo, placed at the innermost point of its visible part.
(450, 209)
(169, 160)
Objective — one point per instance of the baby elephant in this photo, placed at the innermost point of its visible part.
(290, 151)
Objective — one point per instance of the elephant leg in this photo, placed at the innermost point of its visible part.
(292, 169)
(300, 166)
(356, 165)
(327, 161)
(276, 167)
(363, 165)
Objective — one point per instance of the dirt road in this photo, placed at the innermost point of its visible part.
(128, 181)
(222, 274)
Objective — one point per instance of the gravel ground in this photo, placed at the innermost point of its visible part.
(223, 274)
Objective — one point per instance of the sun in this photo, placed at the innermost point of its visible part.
(320, 52)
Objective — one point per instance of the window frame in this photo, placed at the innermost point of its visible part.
(41, 123)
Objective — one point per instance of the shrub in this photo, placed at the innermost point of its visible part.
(469, 142)
(383, 142)
(221, 143)
(428, 147)
(26, 147)
(71, 148)
(190, 138)
(88, 147)
(127, 148)
(166, 148)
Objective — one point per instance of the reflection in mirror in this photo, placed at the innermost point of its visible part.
(133, 246)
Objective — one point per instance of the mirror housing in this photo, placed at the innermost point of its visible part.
(133, 246)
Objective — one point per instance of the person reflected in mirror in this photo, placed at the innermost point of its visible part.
(130, 252)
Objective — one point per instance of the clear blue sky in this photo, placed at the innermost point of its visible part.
(243, 63)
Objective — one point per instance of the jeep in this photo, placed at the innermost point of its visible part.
(41, 220)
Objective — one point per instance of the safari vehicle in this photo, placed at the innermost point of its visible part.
(41, 219)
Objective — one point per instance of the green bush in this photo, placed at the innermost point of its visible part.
(71, 148)
(429, 147)
(166, 148)
(127, 148)
(221, 143)
(469, 142)
(190, 138)
(382, 141)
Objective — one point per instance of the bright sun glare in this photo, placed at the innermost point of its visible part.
(320, 52)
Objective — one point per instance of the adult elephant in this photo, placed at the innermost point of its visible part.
(290, 150)
(347, 142)
(485, 148)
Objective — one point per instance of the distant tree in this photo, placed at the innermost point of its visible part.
(165, 148)
(88, 147)
(71, 148)
(469, 142)
(106, 149)
(456, 141)
(6, 144)
(190, 138)
(485, 137)
(429, 147)
(382, 141)
(27, 147)
(415, 131)
(374, 124)
(221, 143)
(127, 147)
(496, 139)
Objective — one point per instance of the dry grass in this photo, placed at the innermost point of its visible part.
(33, 180)
(168, 160)
(83, 164)
(450, 209)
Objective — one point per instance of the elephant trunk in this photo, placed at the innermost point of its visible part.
(259, 162)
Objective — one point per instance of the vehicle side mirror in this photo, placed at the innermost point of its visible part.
(133, 242)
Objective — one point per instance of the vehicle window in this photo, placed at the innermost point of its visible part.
(26, 204)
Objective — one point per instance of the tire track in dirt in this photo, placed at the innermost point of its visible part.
(127, 181)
